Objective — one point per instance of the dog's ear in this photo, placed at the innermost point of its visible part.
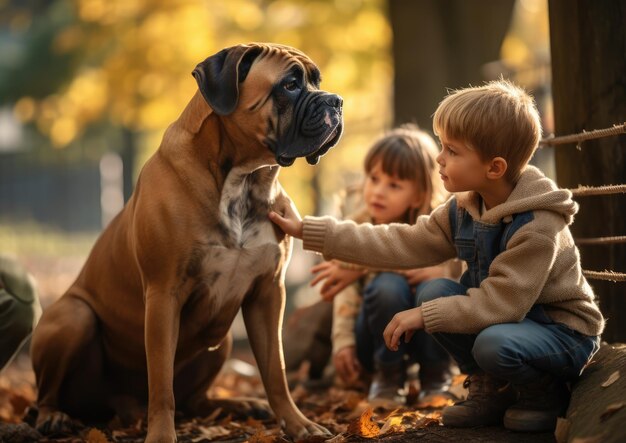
(219, 76)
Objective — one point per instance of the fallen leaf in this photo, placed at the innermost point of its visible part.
(364, 426)
(337, 439)
(562, 430)
(254, 423)
(612, 409)
(612, 379)
(391, 425)
(593, 439)
(262, 437)
(435, 402)
(96, 436)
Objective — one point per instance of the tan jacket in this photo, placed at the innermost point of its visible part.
(541, 264)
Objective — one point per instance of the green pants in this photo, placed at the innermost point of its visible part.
(19, 308)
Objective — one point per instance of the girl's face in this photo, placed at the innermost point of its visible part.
(388, 198)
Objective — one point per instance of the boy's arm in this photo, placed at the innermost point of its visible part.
(516, 278)
(395, 246)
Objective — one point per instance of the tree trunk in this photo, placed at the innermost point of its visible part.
(442, 44)
(597, 408)
(588, 45)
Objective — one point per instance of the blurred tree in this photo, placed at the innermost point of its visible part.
(442, 44)
(588, 45)
(127, 63)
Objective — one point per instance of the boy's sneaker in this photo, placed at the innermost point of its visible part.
(539, 405)
(487, 400)
(387, 387)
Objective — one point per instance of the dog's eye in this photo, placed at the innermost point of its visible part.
(291, 85)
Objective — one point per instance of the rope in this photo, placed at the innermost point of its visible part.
(601, 240)
(606, 275)
(583, 191)
(582, 136)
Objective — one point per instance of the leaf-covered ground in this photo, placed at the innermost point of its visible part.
(344, 412)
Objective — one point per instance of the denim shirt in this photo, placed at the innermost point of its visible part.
(478, 244)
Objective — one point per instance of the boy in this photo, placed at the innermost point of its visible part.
(522, 321)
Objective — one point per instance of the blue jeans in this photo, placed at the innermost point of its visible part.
(517, 352)
(386, 295)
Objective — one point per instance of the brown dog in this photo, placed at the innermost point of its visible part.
(148, 317)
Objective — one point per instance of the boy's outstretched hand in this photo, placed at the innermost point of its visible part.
(405, 322)
(290, 222)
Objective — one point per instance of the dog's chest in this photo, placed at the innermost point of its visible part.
(244, 245)
(243, 209)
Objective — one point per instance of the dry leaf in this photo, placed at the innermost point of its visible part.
(435, 402)
(562, 430)
(211, 432)
(392, 424)
(612, 379)
(612, 409)
(364, 426)
(262, 437)
(337, 439)
(96, 436)
(593, 439)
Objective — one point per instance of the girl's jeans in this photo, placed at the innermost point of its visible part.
(516, 352)
(386, 295)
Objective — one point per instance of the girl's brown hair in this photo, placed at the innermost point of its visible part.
(409, 153)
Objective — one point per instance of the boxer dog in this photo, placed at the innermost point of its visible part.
(148, 318)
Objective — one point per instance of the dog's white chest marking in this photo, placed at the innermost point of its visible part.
(245, 246)
(244, 205)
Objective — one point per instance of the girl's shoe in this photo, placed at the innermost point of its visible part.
(388, 385)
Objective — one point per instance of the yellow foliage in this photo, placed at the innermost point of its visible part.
(139, 55)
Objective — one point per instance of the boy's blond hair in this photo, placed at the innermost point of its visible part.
(499, 119)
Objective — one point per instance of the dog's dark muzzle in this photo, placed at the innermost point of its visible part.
(319, 129)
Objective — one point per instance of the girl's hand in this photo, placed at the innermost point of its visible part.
(405, 322)
(416, 276)
(335, 278)
(346, 364)
(290, 222)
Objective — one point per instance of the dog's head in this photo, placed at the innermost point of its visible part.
(271, 93)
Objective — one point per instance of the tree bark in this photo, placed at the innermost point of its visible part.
(595, 411)
(588, 45)
(442, 44)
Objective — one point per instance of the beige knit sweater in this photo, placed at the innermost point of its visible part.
(541, 264)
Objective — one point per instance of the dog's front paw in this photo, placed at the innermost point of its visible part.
(52, 421)
(161, 429)
(301, 428)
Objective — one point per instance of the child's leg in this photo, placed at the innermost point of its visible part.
(459, 346)
(523, 352)
(488, 396)
(537, 358)
(436, 365)
(386, 295)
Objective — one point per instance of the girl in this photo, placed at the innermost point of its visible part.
(400, 184)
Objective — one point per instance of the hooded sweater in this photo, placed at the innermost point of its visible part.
(540, 264)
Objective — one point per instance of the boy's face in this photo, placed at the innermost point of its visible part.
(460, 167)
